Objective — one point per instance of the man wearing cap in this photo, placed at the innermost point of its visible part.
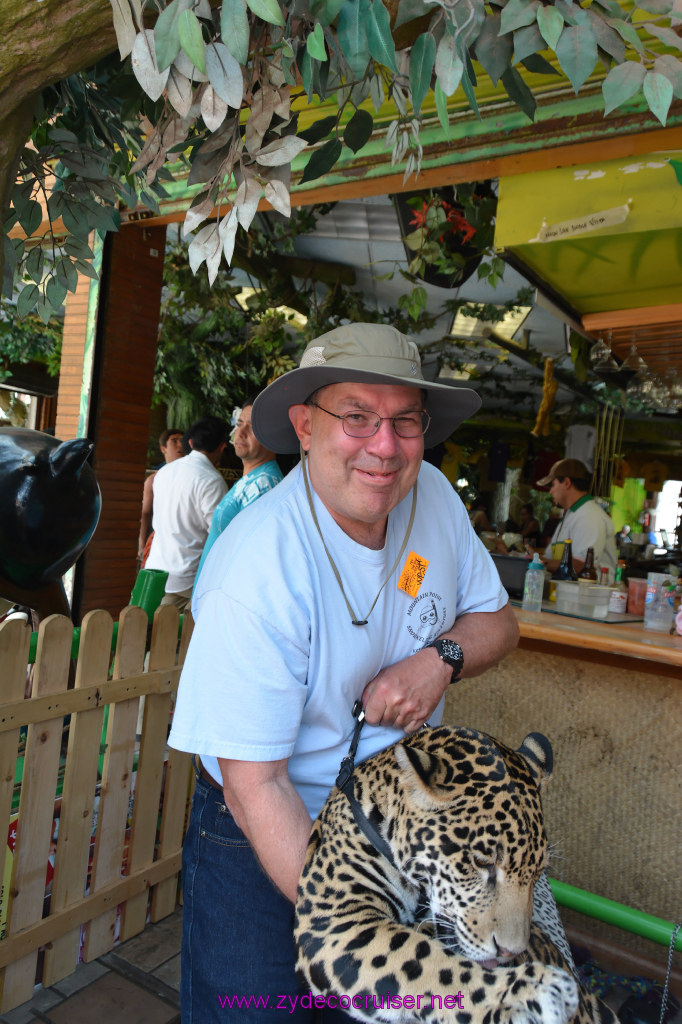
(358, 576)
(584, 522)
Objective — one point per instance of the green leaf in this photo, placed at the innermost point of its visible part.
(527, 41)
(327, 11)
(55, 293)
(191, 39)
(351, 33)
(577, 53)
(379, 38)
(671, 67)
(666, 35)
(449, 65)
(87, 269)
(627, 32)
(166, 40)
(658, 92)
(315, 43)
(537, 65)
(10, 256)
(493, 51)
(408, 10)
(358, 131)
(469, 91)
(621, 83)
(422, 59)
(76, 220)
(44, 310)
(318, 131)
(518, 91)
(234, 29)
(31, 216)
(267, 10)
(66, 273)
(656, 6)
(34, 264)
(607, 40)
(28, 296)
(322, 160)
(225, 74)
(77, 248)
(518, 13)
(551, 25)
(442, 109)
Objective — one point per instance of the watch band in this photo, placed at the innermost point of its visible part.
(451, 653)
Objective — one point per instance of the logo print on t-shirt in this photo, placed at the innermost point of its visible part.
(426, 616)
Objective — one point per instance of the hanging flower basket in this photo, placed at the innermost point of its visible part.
(443, 246)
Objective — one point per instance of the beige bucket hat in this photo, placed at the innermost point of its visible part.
(362, 353)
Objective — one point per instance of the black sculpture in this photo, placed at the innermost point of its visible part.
(49, 507)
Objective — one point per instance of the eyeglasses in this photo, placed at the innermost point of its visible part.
(366, 424)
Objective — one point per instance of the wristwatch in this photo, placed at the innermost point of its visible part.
(450, 652)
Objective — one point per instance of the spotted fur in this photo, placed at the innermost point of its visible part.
(453, 916)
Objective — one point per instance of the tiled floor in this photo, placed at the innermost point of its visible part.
(137, 983)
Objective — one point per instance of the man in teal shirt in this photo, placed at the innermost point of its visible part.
(261, 473)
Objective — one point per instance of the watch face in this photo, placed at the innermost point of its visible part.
(451, 652)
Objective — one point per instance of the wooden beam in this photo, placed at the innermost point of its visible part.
(668, 314)
(523, 162)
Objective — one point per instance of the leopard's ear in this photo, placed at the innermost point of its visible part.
(536, 750)
(423, 779)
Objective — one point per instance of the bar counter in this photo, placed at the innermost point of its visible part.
(609, 698)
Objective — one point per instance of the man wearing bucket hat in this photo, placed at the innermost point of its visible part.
(358, 576)
(584, 522)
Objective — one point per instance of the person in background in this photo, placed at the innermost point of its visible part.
(347, 581)
(186, 493)
(530, 527)
(479, 518)
(170, 443)
(584, 521)
(623, 535)
(261, 473)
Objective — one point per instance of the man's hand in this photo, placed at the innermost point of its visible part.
(405, 694)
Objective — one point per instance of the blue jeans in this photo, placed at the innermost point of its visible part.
(238, 950)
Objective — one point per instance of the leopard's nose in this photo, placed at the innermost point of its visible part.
(503, 953)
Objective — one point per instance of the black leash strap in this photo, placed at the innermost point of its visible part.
(344, 782)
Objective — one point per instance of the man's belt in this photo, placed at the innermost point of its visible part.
(205, 775)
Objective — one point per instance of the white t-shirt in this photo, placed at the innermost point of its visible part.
(186, 493)
(589, 526)
(274, 664)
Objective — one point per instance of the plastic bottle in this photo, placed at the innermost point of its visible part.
(565, 570)
(588, 572)
(533, 585)
(618, 598)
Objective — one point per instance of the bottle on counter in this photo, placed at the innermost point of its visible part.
(604, 576)
(533, 585)
(565, 570)
(618, 598)
(589, 571)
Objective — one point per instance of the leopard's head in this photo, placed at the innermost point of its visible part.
(469, 834)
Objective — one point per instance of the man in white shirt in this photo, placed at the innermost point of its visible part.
(584, 522)
(345, 581)
(186, 493)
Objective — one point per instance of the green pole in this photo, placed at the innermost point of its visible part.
(627, 918)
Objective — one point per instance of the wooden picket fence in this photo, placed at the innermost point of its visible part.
(100, 806)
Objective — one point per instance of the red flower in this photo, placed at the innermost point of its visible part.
(454, 218)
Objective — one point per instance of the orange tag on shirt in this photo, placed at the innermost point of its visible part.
(412, 576)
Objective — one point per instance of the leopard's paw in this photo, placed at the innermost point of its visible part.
(542, 995)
